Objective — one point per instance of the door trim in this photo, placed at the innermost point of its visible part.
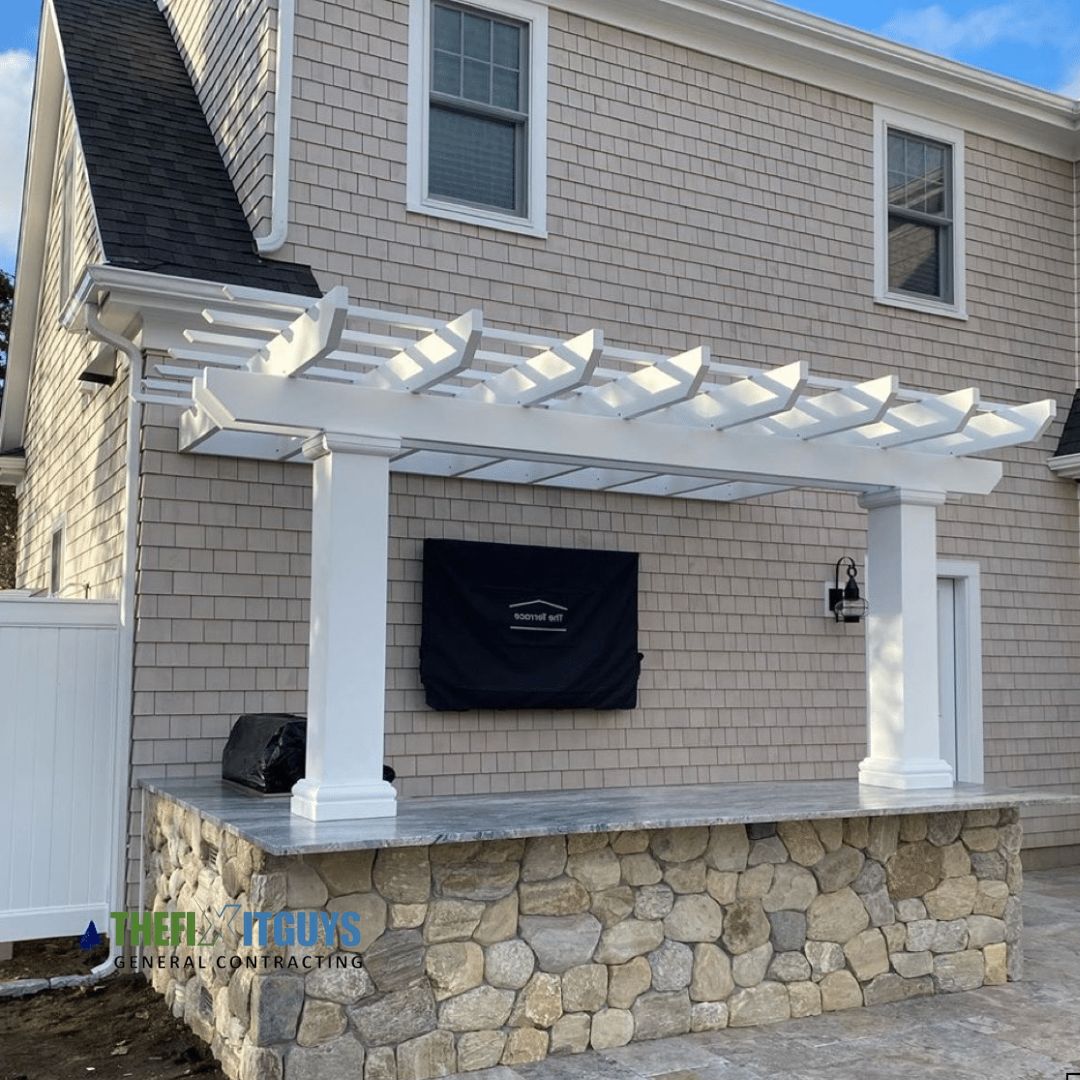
(969, 711)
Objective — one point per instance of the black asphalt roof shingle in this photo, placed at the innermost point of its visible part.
(163, 196)
(1069, 443)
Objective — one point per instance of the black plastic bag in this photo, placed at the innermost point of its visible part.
(268, 752)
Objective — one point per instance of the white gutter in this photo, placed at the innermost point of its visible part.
(126, 651)
(274, 240)
(12, 470)
(1067, 465)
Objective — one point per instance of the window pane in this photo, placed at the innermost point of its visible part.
(446, 29)
(473, 159)
(505, 88)
(477, 37)
(915, 258)
(506, 45)
(446, 74)
(919, 174)
(476, 85)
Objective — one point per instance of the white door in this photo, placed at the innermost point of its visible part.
(947, 681)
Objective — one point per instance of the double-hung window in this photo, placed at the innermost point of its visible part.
(919, 209)
(477, 112)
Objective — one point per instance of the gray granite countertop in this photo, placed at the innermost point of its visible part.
(268, 824)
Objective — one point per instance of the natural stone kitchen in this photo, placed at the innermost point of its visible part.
(575, 921)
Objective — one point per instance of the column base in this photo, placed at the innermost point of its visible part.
(343, 802)
(906, 774)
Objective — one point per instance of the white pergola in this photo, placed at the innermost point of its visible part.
(362, 393)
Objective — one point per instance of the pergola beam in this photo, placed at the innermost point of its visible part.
(650, 388)
(436, 357)
(309, 338)
(538, 379)
(751, 398)
(227, 399)
(838, 410)
(919, 421)
(1005, 426)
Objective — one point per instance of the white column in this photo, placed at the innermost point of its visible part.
(901, 642)
(347, 659)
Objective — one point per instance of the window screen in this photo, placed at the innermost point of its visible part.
(478, 112)
(920, 217)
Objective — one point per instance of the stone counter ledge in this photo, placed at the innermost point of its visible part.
(268, 824)
(505, 951)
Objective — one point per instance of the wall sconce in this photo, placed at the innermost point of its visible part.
(844, 601)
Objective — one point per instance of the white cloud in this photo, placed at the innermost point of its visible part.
(1046, 25)
(1072, 84)
(935, 30)
(16, 91)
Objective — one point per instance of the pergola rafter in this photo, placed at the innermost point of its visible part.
(361, 393)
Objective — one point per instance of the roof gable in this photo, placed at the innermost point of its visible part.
(162, 193)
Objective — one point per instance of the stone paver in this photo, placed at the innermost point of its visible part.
(1023, 1031)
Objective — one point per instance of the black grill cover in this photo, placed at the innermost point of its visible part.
(268, 752)
(514, 627)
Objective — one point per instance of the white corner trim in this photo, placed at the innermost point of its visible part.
(33, 226)
(534, 223)
(884, 119)
(1066, 466)
(275, 239)
(970, 761)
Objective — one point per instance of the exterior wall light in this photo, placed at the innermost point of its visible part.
(845, 603)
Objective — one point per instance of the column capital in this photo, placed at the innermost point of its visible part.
(871, 500)
(330, 442)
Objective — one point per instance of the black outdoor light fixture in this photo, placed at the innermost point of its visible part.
(844, 600)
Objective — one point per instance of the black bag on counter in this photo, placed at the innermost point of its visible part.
(268, 752)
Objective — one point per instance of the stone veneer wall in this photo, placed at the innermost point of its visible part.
(476, 954)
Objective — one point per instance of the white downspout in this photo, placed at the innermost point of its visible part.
(274, 240)
(126, 650)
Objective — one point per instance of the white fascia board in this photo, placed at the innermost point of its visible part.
(810, 49)
(455, 425)
(1067, 466)
(33, 231)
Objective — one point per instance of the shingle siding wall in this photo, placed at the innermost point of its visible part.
(229, 47)
(75, 436)
(691, 200)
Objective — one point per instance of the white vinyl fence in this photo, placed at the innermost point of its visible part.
(59, 810)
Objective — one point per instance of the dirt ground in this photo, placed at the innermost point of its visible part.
(117, 1028)
(57, 956)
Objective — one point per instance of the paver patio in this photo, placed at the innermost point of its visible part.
(1024, 1031)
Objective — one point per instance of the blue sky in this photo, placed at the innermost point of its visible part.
(1036, 41)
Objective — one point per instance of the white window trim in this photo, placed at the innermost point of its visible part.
(59, 527)
(970, 761)
(417, 199)
(884, 119)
